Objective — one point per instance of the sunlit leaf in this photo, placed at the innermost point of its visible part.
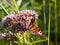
(19, 2)
(24, 6)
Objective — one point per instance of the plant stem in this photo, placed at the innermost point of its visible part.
(15, 4)
(19, 38)
(49, 24)
(44, 16)
(55, 22)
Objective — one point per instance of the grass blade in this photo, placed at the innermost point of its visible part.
(4, 8)
(19, 3)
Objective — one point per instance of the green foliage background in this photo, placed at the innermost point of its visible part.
(48, 11)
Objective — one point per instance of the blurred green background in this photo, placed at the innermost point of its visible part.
(48, 11)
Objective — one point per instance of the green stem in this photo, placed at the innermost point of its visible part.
(38, 41)
(49, 24)
(17, 9)
(55, 22)
(44, 16)
(19, 38)
(45, 39)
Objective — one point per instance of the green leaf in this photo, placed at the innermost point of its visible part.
(15, 4)
(4, 8)
(16, 42)
(24, 6)
(19, 3)
(38, 41)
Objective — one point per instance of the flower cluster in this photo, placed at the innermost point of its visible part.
(6, 35)
(8, 20)
(2, 36)
(19, 21)
(27, 16)
(30, 13)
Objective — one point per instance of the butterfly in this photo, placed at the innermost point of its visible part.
(34, 29)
